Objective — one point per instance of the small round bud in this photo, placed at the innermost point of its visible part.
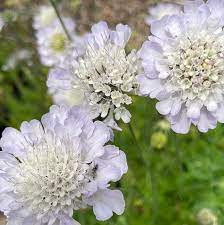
(158, 140)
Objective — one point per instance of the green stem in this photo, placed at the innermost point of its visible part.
(179, 164)
(60, 19)
(149, 169)
(179, 159)
(153, 182)
(139, 150)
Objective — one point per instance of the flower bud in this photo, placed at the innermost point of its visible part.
(158, 140)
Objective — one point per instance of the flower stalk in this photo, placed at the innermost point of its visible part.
(140, 152)
(60, 19)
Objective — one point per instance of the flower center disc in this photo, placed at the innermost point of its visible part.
(52, 178)
(198, 67)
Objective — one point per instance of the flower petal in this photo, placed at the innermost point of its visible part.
(101, 32)
(122, 35)
(164, 107)
(100, 136)
(111, 166)
(105, 202)
(206, 121)
(180, 123)
(13, 142)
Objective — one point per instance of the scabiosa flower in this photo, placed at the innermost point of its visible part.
(61, 164)
(104, 74)
(183, 64)
(162, 9)
(53, 43)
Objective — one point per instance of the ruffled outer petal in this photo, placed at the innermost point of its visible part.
(151, 50)
(111, 166)
(122, 35)
(206, 121)
(105, 202)
(94, 144)
(100, 32)
(57, 114)
(161, 10)
(13, 142)
(180, 123)
(196, 14)
(150, 87)
(216, 8)
(32, 131)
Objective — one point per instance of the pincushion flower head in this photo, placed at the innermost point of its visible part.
(162, 9)
(104, 75)
(183, 64)
(53, 43)
(51, 168)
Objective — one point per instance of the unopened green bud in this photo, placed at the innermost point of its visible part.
(158, 140)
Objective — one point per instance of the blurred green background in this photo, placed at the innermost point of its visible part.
(171, 177)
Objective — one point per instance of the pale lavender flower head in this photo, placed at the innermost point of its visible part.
(52, 168)
(53, 43)
(103, 76)
(162, 9)
(183, 64)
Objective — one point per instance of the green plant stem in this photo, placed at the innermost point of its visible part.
(179, 159)
(153, 182)
(149, 173)
(60, 19)
(139, 150)
(180, 185)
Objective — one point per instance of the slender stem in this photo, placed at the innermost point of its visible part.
(60, 19)
(153, 181)
(149, 170)
(139, 150)
(179, 164)
(179, 159)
